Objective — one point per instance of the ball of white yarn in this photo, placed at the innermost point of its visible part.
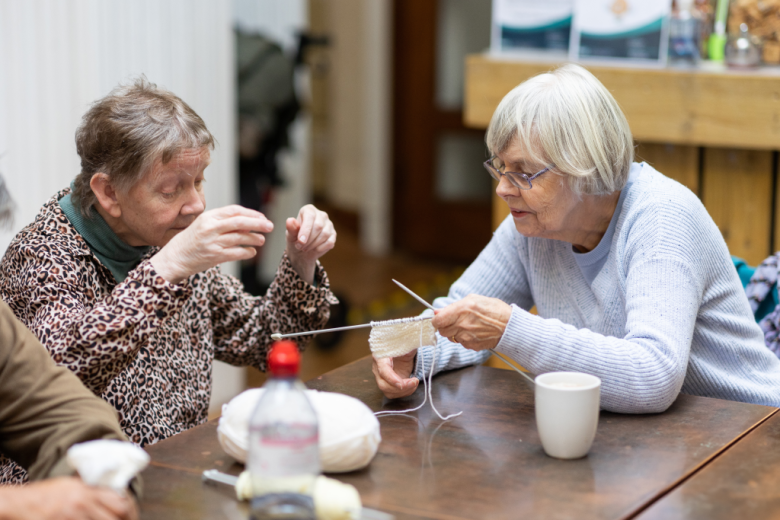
(349, 432)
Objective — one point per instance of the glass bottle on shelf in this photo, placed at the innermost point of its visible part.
(743, 50)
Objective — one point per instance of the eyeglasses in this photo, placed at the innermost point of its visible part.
(520, 180)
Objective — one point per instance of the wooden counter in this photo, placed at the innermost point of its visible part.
(677, 106)
(715, 131)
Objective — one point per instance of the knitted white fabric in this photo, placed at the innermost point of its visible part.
(665, 314)
(393, 338)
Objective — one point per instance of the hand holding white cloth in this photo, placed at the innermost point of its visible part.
(107, 463)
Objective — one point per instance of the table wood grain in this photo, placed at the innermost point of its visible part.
(487, 463)
(741, 483)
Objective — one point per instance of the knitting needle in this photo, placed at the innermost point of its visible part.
(499, 356)
(277, 337)
(505, 360)
(218, 476)
(402, 286)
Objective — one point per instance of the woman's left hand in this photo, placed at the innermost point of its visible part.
(476, 322)
(309, 236)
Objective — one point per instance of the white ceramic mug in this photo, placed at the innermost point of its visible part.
(567, 412)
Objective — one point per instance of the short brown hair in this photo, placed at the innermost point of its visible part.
(124, 133)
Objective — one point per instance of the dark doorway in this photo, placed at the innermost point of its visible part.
(442, 195)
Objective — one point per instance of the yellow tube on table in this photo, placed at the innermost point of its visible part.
(333, 500)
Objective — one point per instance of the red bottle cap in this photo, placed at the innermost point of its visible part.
(284, 359)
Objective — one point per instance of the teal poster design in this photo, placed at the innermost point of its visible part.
(532, 25)
(622, 30)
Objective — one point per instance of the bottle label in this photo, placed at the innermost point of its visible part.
(284, 450)
(282, 457)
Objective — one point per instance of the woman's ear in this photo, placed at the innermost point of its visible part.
(106, 194)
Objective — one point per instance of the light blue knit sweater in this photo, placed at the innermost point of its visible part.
(665, 314)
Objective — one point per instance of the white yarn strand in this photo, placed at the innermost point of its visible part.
(430, 377)
(427, 386)
(425, 390)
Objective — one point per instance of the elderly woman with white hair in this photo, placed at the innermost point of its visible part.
(630, 276)
(118, 276)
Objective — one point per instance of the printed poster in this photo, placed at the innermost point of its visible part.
(532, 25)
(621, 30)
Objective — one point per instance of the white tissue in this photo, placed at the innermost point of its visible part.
(349, 431)
(107, 463)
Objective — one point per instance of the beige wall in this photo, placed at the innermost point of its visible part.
(346, 103)
(353, 131)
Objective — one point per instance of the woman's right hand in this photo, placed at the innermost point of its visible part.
(65, 498)
(216, 236)
(392, 375)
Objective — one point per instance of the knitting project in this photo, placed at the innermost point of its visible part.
(393, 338)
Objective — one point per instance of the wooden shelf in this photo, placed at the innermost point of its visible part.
(692, 107)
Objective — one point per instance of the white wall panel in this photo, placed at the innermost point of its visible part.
(359, 177)
(58, 56)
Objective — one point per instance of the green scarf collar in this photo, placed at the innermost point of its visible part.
(119, 257)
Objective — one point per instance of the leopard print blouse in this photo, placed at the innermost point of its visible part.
(146, 345)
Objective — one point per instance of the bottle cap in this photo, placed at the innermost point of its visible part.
(284, 359)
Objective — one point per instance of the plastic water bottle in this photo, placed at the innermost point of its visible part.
(284, 457)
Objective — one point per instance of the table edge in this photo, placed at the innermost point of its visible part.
(695, 470)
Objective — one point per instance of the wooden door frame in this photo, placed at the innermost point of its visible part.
(421, 223)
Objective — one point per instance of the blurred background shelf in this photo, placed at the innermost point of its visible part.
(715, 131)
(691, 107)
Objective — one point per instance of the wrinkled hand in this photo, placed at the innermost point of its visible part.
(216, 236)
(476, 322)
(65, 498)
(392, 375)
(309, 236)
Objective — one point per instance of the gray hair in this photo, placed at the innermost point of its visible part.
(567, 118)
(126, 132)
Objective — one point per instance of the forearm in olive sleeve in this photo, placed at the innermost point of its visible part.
(44, 409)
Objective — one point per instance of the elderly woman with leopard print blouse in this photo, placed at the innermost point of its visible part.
(118, 276)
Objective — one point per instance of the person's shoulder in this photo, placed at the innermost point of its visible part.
(660, 216)
(50, 236)
(651, 185)
(652, 195)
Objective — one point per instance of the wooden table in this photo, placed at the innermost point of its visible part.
(488, 463)
(744, 482)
